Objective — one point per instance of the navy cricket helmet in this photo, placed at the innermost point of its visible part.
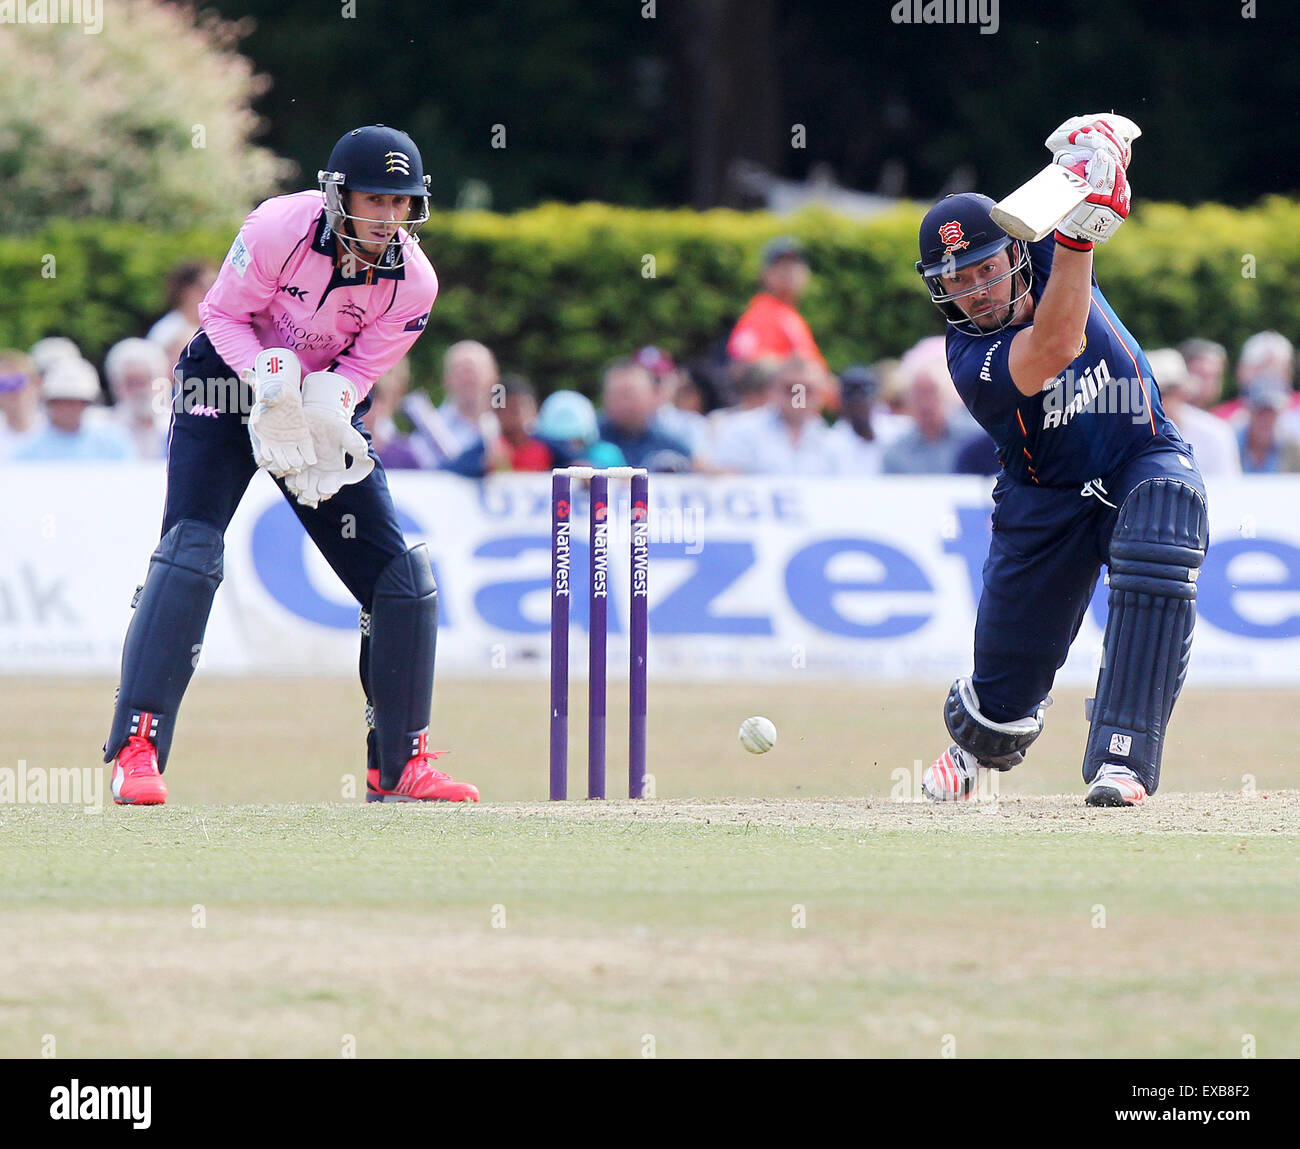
(375, 159)
(959, 232)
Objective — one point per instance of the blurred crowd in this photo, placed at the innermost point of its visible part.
(763, 402)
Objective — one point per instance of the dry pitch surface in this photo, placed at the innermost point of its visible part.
(782, 905)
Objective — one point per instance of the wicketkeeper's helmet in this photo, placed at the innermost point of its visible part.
(958, 232)
(375, 159)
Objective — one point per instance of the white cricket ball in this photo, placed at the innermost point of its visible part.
(757, 735)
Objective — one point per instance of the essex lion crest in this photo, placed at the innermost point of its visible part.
(951, 235)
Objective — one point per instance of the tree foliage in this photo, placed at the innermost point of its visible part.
(149, 119)
(558, 291)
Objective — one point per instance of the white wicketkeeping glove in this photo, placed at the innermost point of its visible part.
(328, 400)
(281, 438)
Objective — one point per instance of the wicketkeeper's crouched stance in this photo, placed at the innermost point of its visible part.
(1093, 473)
(334, 284)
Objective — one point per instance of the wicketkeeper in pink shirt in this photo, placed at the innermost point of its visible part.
(321, 293)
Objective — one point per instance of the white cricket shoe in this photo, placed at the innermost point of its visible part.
(952, 778)
(1116, 786)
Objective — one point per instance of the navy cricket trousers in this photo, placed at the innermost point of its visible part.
(1045, 557)
(210, 464)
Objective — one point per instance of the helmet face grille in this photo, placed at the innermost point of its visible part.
(382, 161)
(949, 303)
(958, 232)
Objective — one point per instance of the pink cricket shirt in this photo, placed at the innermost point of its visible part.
(279, 287)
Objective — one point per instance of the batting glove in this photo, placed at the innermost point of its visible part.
(1095, 133)
(281, 438)
(1100, 215)
(328, 400)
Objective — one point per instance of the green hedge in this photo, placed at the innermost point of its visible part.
(558, 290)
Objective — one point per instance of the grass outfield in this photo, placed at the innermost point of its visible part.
(774, 906)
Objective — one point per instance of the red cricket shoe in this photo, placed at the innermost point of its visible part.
(420, 782)
(136, 779)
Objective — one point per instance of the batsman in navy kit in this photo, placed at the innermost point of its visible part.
(322, 292)
(1092, 473)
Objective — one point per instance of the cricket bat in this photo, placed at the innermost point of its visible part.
(1035, 208)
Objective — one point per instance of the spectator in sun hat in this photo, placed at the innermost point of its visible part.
(70, 387)
(45, 352)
